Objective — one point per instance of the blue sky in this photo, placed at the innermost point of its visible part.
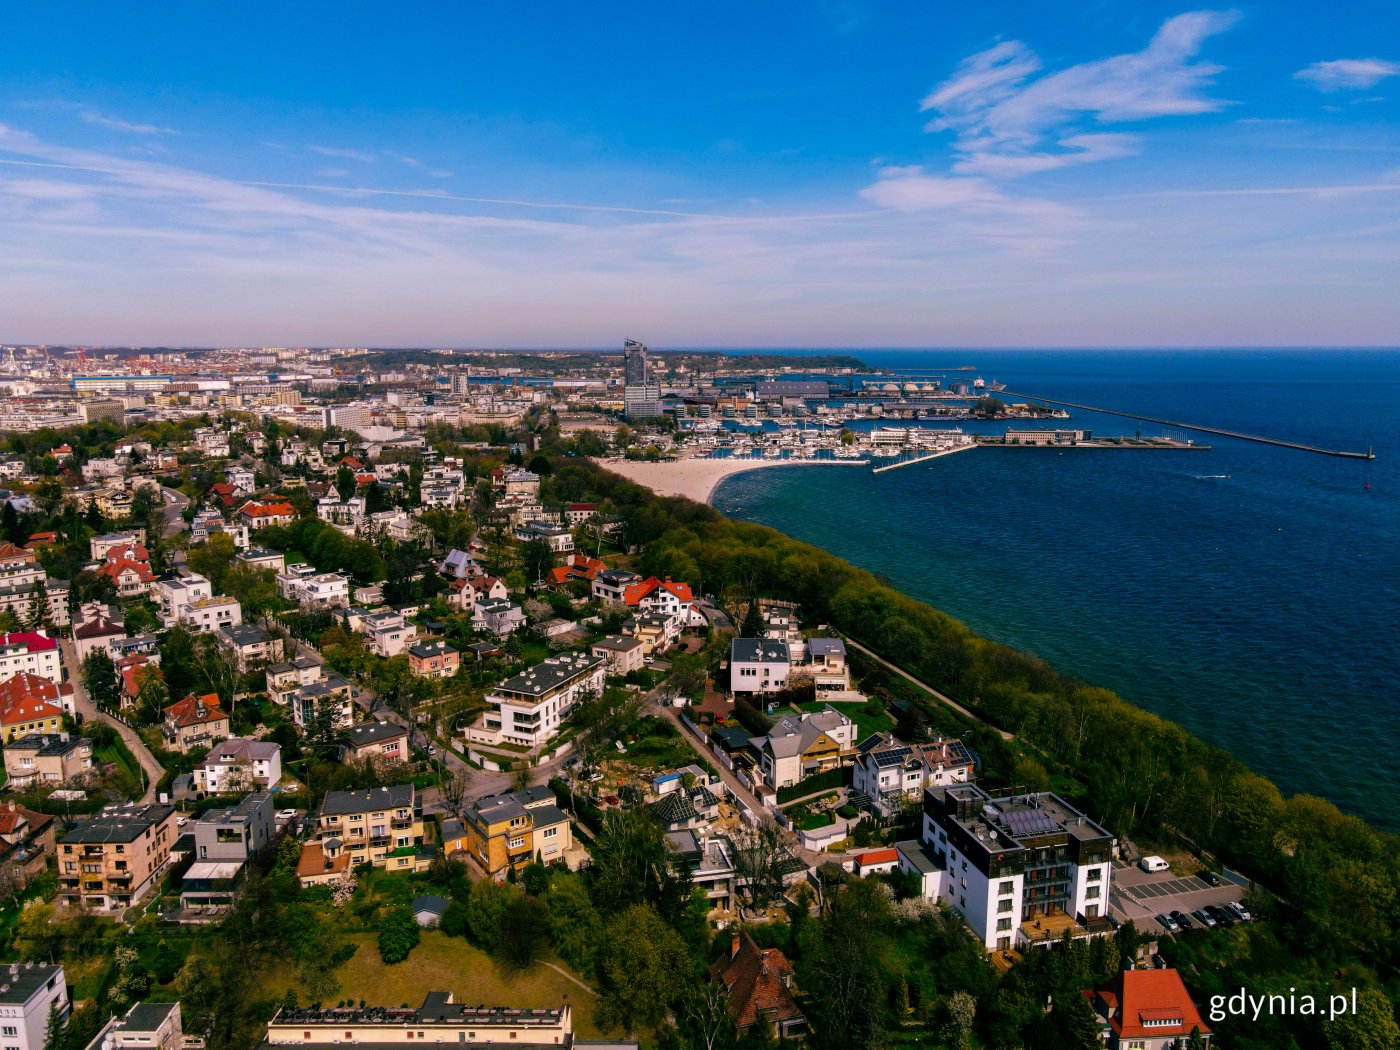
(824, 174)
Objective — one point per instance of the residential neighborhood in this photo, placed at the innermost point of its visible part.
(432, 700)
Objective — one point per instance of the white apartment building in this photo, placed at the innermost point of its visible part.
(758, 665)
(173, 592)
(1004, 863)
(529, 708)
(208, 615)
(302, 584)
(28, 991)
(30, 651)
(388, 632)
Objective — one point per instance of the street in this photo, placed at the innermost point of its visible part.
(85, 707)
(175, 504)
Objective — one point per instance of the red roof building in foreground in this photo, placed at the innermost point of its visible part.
(1148, 1008)
(30, 704)
(759, 984)
(579, 567)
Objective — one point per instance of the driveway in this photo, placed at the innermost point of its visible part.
(153, 769)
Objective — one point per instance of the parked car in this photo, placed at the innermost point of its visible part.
(571, 761)
(431, 749)
(1151, 864)
(1210, 878)
(1204, 918)
(1183, 920)
(1222, 916)
(1239, 911)
(286, 814)
(1168, 923)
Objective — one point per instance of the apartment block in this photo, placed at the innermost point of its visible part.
(28, 993)
(381, 826)
(110, 861)
(1019, 869)
(529, 708)
(511, 831)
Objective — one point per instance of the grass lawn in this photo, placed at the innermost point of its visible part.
(813, 821)
(448, 964)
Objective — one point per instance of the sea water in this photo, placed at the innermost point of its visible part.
(1249, 592)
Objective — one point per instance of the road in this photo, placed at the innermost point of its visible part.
(943, 698)
(808, 856)
(153, 769)
(175, 504)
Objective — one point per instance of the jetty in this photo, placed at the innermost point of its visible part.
(1258, 439)
(922, 457)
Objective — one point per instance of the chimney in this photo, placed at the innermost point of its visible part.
(734, 942)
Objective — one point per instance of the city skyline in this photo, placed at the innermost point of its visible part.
(833, 174)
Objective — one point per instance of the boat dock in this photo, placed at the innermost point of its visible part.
(1368, 454)
(1161, 443)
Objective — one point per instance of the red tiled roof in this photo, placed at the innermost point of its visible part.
(9, 552)
(1153, 995)
(351, 462)
(114, 569)
(222, 488)
(267, 510)
(483, 583)
(638, 592)
(583, 506)
(129, 551)
(878, 856)
(756, 980)
(136, 674)
(26, 697)
(195, 710)
(31, 640)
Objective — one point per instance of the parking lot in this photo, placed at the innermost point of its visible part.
(1140, 896)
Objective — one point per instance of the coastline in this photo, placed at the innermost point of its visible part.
(697, 479)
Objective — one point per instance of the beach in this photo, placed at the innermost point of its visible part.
(697, 478)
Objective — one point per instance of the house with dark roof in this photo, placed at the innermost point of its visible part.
(889, 772)
(758, 665)
(96, 633)
(1147, 1010)
(509, 831)
(378, 742)
(110, 861)
(758, 982)
(47, 759)
(380, 826)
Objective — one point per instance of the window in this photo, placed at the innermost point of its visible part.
(550, 833)
(1003, 925)
(1092, 893)
(1005, 905)
(1006, 886)
(516, 843)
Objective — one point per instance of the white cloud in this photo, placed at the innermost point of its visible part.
(1007, 120)
(122, 125)
(1347, 73)
(342, 154)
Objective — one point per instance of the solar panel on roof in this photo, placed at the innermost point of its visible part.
(893, 757)
(1024, 822)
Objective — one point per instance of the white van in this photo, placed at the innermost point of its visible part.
(1154, 864)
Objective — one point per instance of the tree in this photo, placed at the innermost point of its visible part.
(753, 625)
(100, 680)
(213, 559)
(487, 904)
(574, 923)
(536, 559)
(521, 933)
(53, 1029)
(643, 968)
(218, 669)
(398, 935)
(453, 788)
(1372, 1027)
(962, 1011)
(704, 1015)
(345, 483)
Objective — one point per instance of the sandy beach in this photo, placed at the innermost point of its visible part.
(697, 479)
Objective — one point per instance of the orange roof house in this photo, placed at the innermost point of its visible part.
(195, 721)
(30, 704)
(579, 567)
(759, 984)
(1147, 1005)
(654, 591)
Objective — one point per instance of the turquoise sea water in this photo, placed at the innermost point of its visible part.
(1260, 609)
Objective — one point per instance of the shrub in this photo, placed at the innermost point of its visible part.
(398, 935)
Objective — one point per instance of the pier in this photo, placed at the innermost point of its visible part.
(1368, 454)
(922, 457)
